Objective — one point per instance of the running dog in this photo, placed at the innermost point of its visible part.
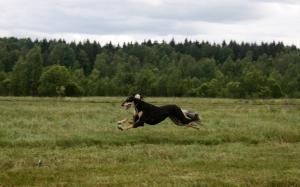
(152, 115)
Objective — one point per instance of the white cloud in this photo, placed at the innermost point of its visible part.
(135, 20)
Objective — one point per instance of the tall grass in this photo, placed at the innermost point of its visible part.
(75, 142)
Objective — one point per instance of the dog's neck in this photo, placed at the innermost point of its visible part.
(136, 103)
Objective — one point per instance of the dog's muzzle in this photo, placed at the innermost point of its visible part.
(126, 106)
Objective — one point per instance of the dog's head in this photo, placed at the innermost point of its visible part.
(132, 100)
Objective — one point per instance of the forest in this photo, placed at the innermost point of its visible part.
(55, 68)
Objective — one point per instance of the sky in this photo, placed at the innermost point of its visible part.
(120, 21)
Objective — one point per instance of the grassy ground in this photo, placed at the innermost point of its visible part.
(76, 142)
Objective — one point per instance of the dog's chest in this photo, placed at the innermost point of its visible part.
(137, 112)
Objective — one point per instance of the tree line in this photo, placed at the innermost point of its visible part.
(196, 69)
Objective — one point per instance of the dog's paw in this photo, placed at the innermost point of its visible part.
(195, 126)
(119, 122)
(120, 127)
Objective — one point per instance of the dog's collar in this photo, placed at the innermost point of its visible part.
(137, 103)
(136, 106)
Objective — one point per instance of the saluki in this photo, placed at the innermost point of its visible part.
(152, 115)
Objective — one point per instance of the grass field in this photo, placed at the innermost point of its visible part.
(76, 142)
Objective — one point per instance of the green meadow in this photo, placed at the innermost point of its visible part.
(76, 142)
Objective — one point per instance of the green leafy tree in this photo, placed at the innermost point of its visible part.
(73, 90)
(3, 75)
(76, 65)
(173, 84)
(161, 86)
(94, 83)
(105, 84)
(5, 84)
(79, 78)
(60, 91)
(207, 68)
(162, 50)
(62, 54)
(275, 88)
(151, 57)
(163, 63)
(19, 78)
(186, 86)
(254, 83)
(291, 79)
(13, 56)
(228, 67)
(102, 64)
(34, 69)
(140, 51)
(84, 62)
(248, 58)
(52, 79)
(265, 64)
(145, 82)
(26, 73)
(202, 91)
(292, 87)
(275, 74)
(225, 52)
(213, 66)
(187, 65)
(5, 61)
(233, 90)
(205, 50)
(209, 89)
(118, 63)
(119, 84)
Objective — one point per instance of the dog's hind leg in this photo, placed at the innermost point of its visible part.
(184, 118)
(177, 122)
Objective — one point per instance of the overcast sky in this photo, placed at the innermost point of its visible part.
(122, 21)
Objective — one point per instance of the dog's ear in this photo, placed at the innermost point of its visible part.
(138, 96)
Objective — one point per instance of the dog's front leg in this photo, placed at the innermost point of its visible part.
(135, 124)
(126, 127)
(131, 121)
(126, 120)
